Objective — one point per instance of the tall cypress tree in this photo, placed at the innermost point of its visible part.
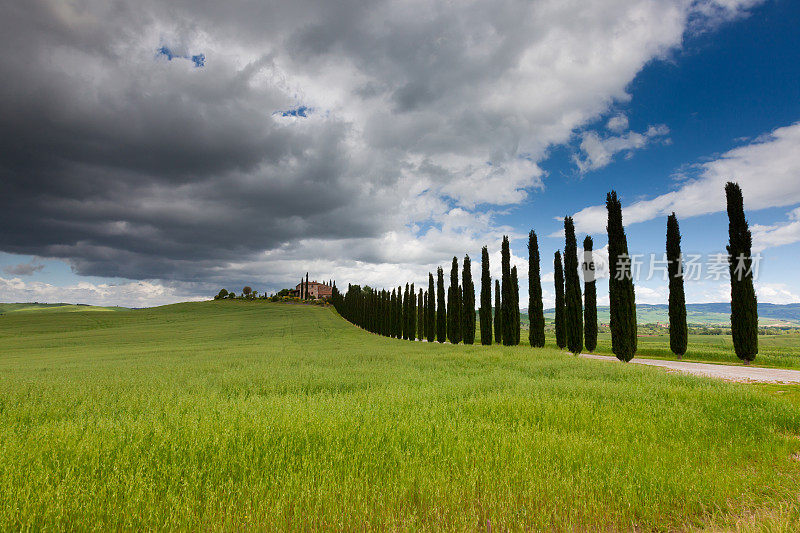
(430, 309)
(744, 307)
(589, 298)
(486, 299)
(498, 313)
(441, 311)
(620, 284)
(412, 313)
(558, 277)
(399, 315)
(392, 309)
(406, 310)
(515, 323)
(573, 307)
(453, 311)
(535, 304)
(468, 305)
(678, 328)
(508, 299)
(421, 315)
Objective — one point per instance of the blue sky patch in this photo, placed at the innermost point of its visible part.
(301, 111)
(199, 60)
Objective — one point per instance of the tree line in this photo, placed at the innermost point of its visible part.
(436, 315)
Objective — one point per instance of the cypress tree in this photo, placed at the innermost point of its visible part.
(412, 315)
(459, 327)
(302, 285)
(508, 299)
(392, 310)
(430, 309)
(498, 313)
(453, 311)
(744, 307)
(573, 306)
(678, 329)
(468, 305)
(589, 298)
(558, 277)
(398, 314)
(515, 308)
(620, 284)
(441, 312)
(307, 297)
(406, 312)
(486, 299)
(420, 315)
(535, 305)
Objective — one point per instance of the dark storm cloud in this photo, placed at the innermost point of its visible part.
(23, 269)
(332, 123)
(134, 168)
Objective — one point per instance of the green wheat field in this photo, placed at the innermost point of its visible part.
(251, 415)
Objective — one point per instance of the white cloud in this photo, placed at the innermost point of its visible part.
(777, 234)
(618, 123)
(132, 294)
(599, 152)
(767, 171)
(776, 293)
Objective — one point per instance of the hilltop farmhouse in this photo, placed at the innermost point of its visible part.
(316, 290)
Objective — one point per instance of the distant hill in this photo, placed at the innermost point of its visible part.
(707, 314)
(6, 308)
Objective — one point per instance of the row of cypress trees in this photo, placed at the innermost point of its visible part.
(576, 313)
(406, 314)
(744, 306)
(410, 315)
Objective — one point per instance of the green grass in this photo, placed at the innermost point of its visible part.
(234, 415)
(774, 351)
(58, 308)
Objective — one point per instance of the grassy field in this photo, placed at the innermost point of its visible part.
(54, 308)
(776, 351)
(234, 415)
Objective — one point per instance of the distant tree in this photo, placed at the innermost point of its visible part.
(430, 309)
(558, 277)
(589, 299)
(302, 289)
(515, 308)
(678, 328)
(441, 312)
(620, 284)
(399, 315)
(307, 295)
(284, 292)
(231, 295)
(453, 311)
(421, 315)
(535, 304)
(406, 313)
(508, 299)
(221, 295)
(498, 313)
(247, 291)
(573, 307)
(468, 304)
(392, 311)
(412, 315)
(744, 307)
(486, 299)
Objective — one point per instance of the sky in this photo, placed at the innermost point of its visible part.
(155, 152)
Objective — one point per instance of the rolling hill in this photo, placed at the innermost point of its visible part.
(6, 308)
(706, 314)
